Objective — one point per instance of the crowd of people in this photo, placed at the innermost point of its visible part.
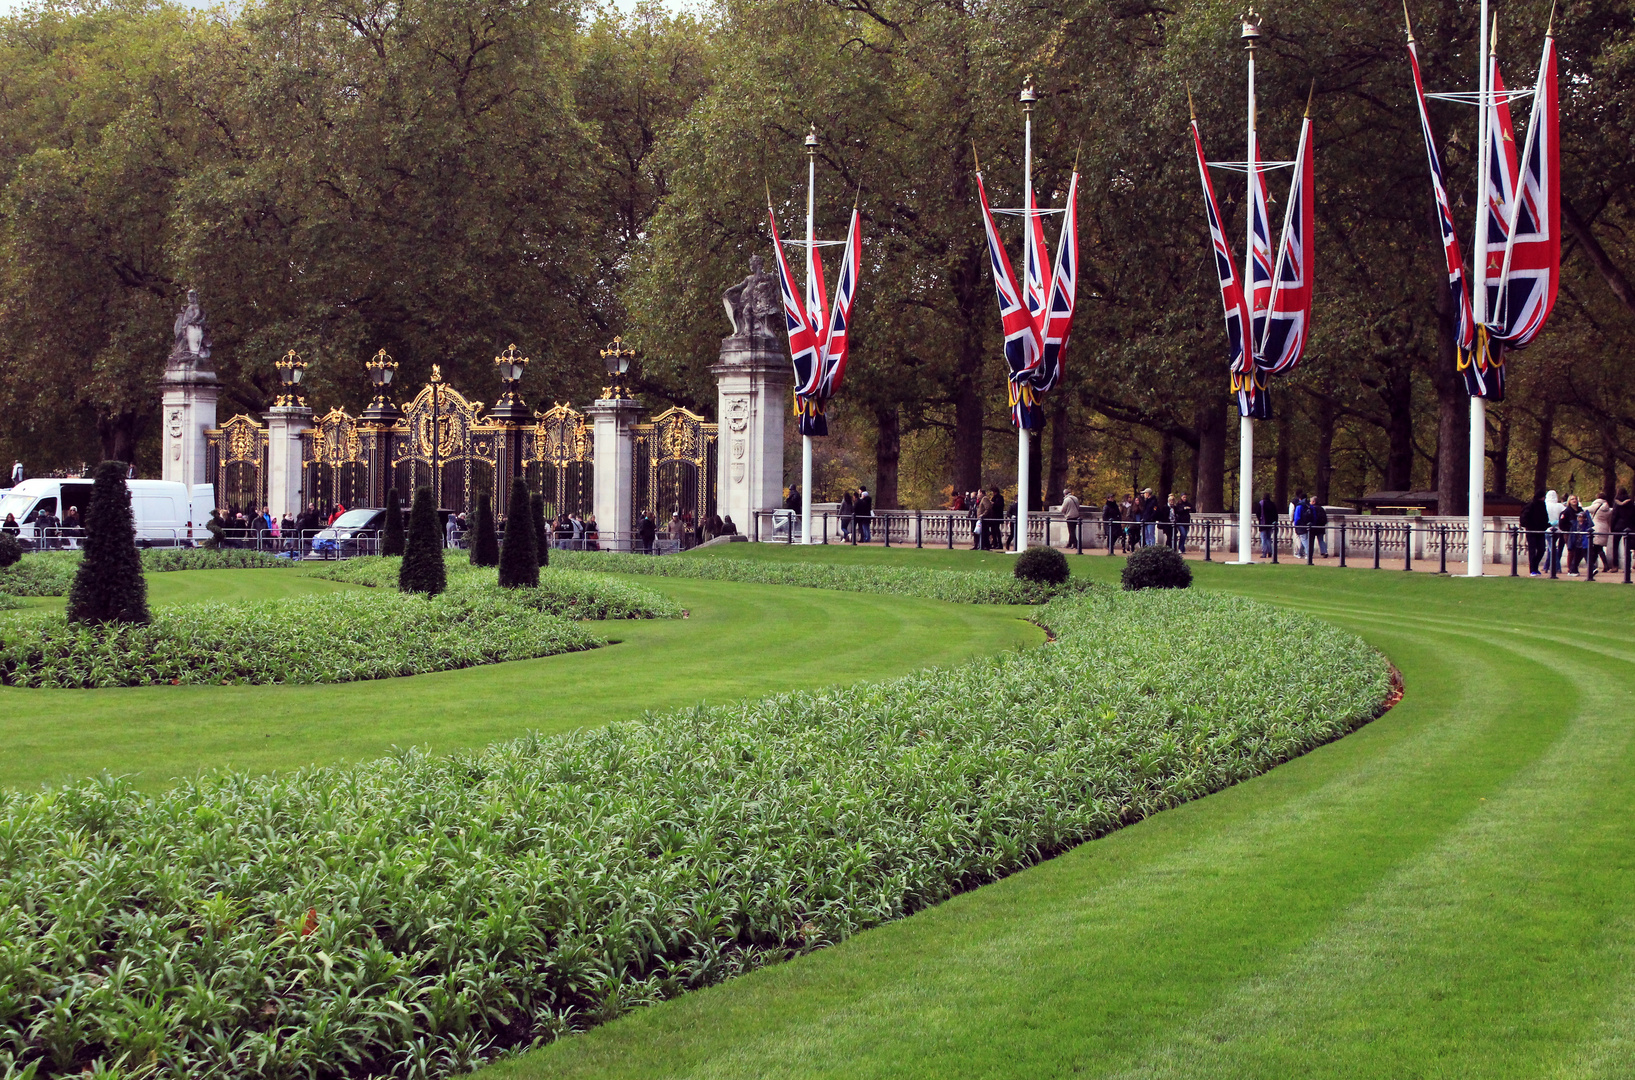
(1141, 519)
(684, 531)
(1595, 534)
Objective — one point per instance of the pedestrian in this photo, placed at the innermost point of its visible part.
(451, 532)
(593, 536)
(1600, 515)
(1623, 522)
(1167, 523)
(1150, 513)
(1110, 529)
(1571, 533)
(1070, 517)
(1183, 523)
(993, 515)
(646, 531)
(16, 473)
(1266, 513)
(865, 515)
(1535, 523)
(10, 526)
(848, 513)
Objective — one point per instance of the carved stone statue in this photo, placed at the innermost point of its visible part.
(753, 305)
(192, 336)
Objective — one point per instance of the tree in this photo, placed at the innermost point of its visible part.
(519, 558)
(422, 570)
(391, 537)
(485, 546)
(109, 587)
(542, 533)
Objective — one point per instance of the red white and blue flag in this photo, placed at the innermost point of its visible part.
(1284, 326)
(1057, 324)
(1022, 344)
(1034, 254)
(1252, 399)
(840, 320)
(1464, 329)
(1530, 264)
(805, 346)
(1259, 293)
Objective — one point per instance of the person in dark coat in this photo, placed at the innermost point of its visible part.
(1266, 513)
(1110, 528)
(865, 516)
(993, 513)
(1535, 523)
(646, 531)
(1623, 522)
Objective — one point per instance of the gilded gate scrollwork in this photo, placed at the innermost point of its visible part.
(236, 462)
(676, 458)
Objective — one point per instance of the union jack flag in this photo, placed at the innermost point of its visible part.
(1034, 254)
(1260, 250)
(1483, 369)
(840, 321)
(1239, 358)
(1287, 321)
(805, 346)
(1064, 283)
(1458, 293)
(1022, 344)
(1531, 266)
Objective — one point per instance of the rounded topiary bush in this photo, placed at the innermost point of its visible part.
(1156, 567)
(10, 549)
(1044, 564)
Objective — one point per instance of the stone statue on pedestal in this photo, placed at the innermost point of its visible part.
(192, 344)
(753, 307)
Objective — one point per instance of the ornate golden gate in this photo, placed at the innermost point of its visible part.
(675, 463)
(559, 461)
(235, 460)
(443, 443)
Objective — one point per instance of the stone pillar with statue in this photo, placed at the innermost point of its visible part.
(190, 391)
(753, 384)
(614, 452)
(287, 421)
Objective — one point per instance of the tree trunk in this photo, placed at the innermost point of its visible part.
(1398, 393)
(1609, 463)
(1501, 454)
(888, 451)
(967, 436)
(1452, 416)
(1209, 487)
(1166, 466)
(1280, 477)
(119, 434)
(1060, 435)
(1541, 460)
(1324, 465)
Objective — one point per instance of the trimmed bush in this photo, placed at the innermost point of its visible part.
(391, 534)
(368, 919)
(161, 560)
(572, 593)
(10, 549)
(41, 573)
(109, 587)
(1156, 567)
(422, 569)
(953, 586)
(519, 559)
(484, 544)
(1042, 564)
(542, 532)
(311, 639)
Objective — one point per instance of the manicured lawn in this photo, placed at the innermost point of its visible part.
(1448, 892)
(740, 641)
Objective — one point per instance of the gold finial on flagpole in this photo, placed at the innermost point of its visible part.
(1309, 95)
(1409, 23)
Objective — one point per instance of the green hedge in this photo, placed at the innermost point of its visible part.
(411, 916)
(571, 593)
(954, 586)
(46, 573)
(164, 559)
(312, 639)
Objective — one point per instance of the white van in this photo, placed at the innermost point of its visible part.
(165, 514)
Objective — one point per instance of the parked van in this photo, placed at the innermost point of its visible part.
(165, 514)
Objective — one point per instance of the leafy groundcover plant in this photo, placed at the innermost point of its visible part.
(953, 586)
(312, 639)
(570, 593)
(161, 559)
(415, 915)
(45, 573)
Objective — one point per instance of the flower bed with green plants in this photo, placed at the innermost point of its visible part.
(415, 915)
(569, 593)
(313, 639)
(43, 573)
(164, 559)
(953, 586)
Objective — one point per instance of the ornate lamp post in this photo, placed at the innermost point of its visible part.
(512, 412)
(378, 421)
(617, 356)
(290, 370)
(381, 368)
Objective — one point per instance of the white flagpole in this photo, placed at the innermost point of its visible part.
(1246, 426)
(1477, 491)
(1022, 445)
(811, 236)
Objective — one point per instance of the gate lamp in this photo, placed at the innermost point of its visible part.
(510, 408)
(617, 357)
(290, 369)
(381, 368)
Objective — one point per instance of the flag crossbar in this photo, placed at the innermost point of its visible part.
(1491, 97)
(1243, 166)
(815, 243)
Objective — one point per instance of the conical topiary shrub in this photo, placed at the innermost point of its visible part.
(422, 569)
(542, 533)
(519, 558)
(109, 586)
(391, 536)
(485, 545)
